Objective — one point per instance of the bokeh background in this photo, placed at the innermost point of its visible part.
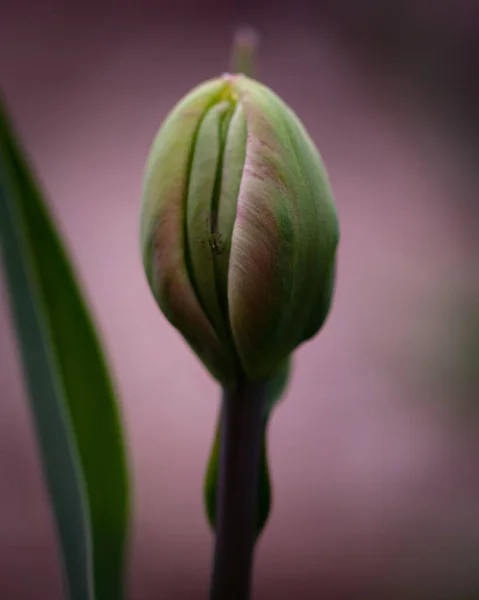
(375, 449)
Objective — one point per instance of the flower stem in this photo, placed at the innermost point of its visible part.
(243, 57)
(243, 417)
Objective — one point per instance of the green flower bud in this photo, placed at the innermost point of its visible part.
(238, 228)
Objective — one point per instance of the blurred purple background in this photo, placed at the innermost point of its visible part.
(375, 449)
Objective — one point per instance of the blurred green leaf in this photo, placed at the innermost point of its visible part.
(71, 398)
(277, 386)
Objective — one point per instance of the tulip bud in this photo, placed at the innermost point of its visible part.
(238, 228)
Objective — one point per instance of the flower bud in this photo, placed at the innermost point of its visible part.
(238, 228)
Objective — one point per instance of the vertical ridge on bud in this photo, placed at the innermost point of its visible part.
(263, 248)
(230, 180)
(284, 238)
(314, 278)
(203, 240)
(163, 230)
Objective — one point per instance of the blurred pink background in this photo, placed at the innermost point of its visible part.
(375, 449)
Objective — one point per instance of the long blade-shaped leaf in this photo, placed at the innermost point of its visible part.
(72, 400)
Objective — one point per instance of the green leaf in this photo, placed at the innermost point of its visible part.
(71, 397)
(277, 386)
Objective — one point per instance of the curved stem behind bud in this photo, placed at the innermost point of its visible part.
(244, 411)
(243, 58)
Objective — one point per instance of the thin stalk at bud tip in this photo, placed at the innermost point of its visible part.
(243, 415)
(245, 46)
